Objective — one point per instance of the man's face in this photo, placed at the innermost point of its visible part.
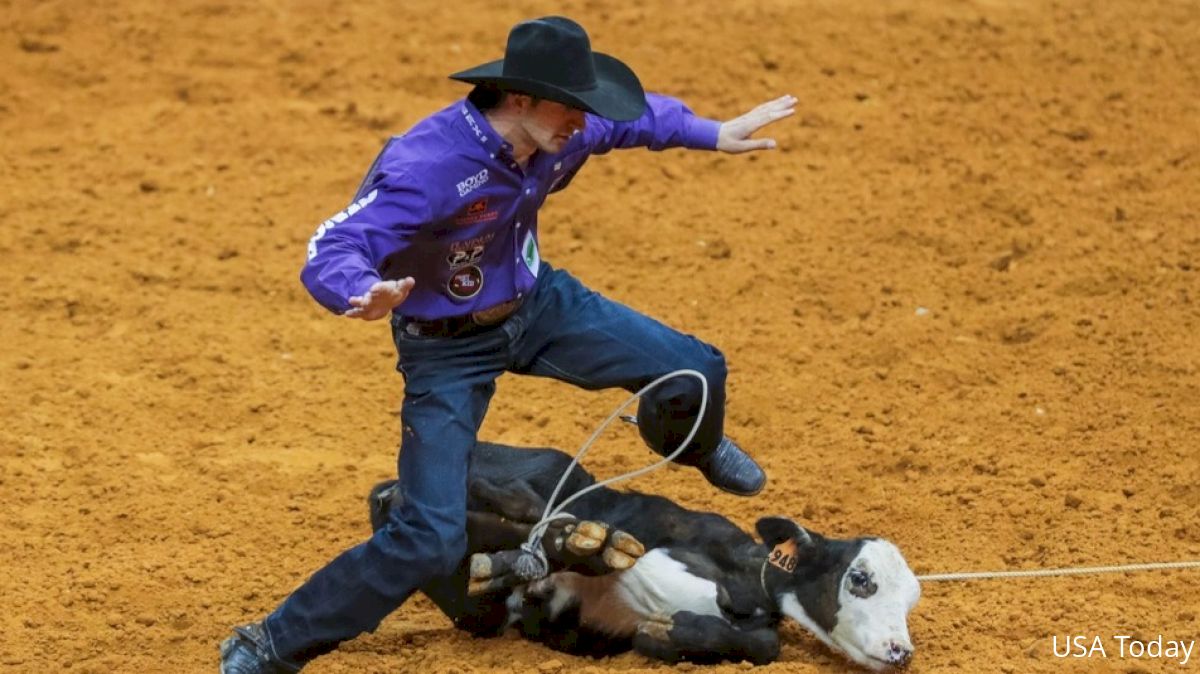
(550, 124)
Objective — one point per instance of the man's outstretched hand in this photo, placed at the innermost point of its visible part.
(380, 299)
(734, 136)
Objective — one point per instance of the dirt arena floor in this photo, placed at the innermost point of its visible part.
(960, 306)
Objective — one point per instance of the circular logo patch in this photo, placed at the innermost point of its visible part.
(465, 283)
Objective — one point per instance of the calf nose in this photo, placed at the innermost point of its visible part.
(898, 654)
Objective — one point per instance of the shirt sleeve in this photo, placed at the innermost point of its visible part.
(346, 253)
(666, 123)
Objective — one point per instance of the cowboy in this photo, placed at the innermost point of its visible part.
(442, 235)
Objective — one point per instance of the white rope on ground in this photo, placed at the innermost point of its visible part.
(533, 563)
(1069, 571)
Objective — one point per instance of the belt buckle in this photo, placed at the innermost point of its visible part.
(495, 314)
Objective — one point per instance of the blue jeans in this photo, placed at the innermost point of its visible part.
(563, 331)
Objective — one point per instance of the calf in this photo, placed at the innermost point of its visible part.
(704, 590)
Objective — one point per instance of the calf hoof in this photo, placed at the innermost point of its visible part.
(483, 566)
(592, 548)
(489, 572)
(586, 538)
(623, 551)
(627, 544)
(656, 629)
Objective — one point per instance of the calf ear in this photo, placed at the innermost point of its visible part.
(776, 530)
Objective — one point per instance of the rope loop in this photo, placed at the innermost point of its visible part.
(532, 563)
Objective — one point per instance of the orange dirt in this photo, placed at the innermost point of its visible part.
(960, 305)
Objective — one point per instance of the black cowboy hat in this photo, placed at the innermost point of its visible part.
(552, 58)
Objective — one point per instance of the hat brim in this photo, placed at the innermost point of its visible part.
(618, 94)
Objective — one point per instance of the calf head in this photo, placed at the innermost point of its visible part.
(855, 595)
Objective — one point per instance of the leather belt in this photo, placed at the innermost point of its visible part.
(461, 326)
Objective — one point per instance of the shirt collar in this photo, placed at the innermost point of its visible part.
(476, 128)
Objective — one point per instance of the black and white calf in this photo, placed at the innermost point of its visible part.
(703, 591)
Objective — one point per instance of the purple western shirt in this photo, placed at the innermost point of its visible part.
(447, 205)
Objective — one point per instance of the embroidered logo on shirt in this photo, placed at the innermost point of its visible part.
(465, 283)
(469, 251)
(477, 212)
(473, 183)
(337, 219)
(529, 253)
(474, 125)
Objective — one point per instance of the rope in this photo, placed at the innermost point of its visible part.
(532, 563)
(1069, 571)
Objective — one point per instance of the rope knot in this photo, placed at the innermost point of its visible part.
(531, 564)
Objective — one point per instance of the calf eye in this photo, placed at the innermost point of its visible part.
(861, 584)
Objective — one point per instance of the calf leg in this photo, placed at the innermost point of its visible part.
(478, 605)
(588, 548)
(486, 532)
(516, 500)
(548, 612)
(705, 639)
(481, 613)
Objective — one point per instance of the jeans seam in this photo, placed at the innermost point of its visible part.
(280, 660)
(566, 376)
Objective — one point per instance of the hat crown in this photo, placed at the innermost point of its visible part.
(552, 49)
(552, 58)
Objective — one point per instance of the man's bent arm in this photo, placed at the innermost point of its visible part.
(348, 249)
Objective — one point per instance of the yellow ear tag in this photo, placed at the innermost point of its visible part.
(783, 556)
